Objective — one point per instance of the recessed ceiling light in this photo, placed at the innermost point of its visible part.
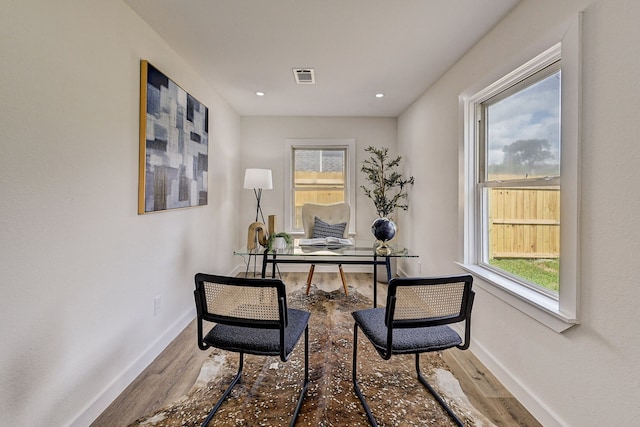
(379, 95)
(260, 93)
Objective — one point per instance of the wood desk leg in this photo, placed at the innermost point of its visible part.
(344, 280)
(310, 277)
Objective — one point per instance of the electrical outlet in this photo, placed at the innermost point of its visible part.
(156, 305)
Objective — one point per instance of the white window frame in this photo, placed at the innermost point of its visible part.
(559, 313)
(349, 145)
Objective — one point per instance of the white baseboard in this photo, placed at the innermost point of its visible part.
(117, 386)
(400, 272)
(538, 409)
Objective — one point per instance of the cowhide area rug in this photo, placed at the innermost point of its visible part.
(269, 389)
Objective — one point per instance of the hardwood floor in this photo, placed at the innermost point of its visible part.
(175, 370)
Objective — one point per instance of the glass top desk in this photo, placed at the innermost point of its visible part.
(363, 252)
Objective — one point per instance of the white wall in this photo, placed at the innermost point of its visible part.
(79, 268)
(588, 375)
(262, 146)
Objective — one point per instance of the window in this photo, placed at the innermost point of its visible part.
(521, 186)
(318, 171)
(519, 181)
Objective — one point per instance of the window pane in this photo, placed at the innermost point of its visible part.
(523, 132)
(523, 233)
(319, 177)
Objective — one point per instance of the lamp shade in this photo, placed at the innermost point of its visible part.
(258, 178)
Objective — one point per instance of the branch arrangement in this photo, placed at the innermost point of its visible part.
(387, 189)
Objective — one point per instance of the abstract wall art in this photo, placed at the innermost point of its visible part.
(174, 140)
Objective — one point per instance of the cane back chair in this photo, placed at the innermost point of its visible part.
(251, 317)
(414, 321)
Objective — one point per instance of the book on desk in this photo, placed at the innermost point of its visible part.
(325, 241)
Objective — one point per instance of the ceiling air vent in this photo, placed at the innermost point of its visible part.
(304, 76)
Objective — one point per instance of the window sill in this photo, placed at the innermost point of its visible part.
(541, 308)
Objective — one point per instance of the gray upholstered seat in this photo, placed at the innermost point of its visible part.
(251, 316)
(265, 342)
(415, 321)
(421, 340)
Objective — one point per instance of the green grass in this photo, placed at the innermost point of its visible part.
(543, 272)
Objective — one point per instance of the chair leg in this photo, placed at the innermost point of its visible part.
(424, 382)
(435, 394)
(305, 384)
(310, 277)
(356, 387)
(238, 376)
(344, 279)
(235, 379)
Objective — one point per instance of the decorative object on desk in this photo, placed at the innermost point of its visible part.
(388, 185)
(383, 230)
(258, 180)
(279, 241)
(257, 235)
(272, 224)
(174, 142)
(329, 401)
(387, 191)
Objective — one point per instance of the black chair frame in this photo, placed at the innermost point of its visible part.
(392, 324)
(281, 324)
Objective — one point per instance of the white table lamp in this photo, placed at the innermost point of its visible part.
(258, 180)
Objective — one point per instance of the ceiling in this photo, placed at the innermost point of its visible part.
(357, 48)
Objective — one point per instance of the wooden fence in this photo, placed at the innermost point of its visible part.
(524, 223)
(319, 187)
